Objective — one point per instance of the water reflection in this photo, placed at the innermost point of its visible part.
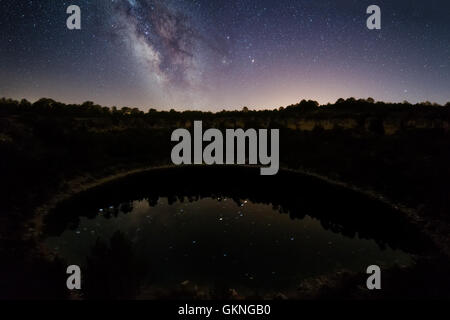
(222, 232)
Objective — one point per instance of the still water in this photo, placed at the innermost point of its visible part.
(209, 242)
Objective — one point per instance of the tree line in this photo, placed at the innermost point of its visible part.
(46, 106)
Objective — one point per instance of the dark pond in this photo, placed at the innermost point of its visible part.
(202, 231)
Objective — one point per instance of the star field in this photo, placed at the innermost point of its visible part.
(224, 54)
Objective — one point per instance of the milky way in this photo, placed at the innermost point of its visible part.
(224, 54)
(162, 38)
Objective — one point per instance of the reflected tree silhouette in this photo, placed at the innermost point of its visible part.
(338, 209)
(113, 271)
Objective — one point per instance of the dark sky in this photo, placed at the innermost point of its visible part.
(224, 54)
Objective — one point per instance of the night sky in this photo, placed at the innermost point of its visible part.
(224, 54)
